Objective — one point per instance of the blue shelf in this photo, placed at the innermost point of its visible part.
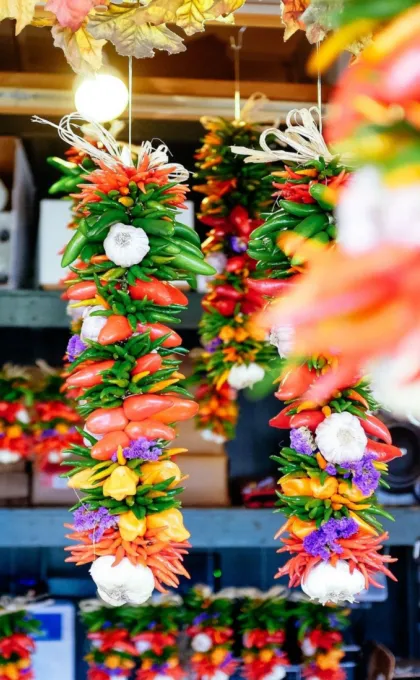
(211, 528)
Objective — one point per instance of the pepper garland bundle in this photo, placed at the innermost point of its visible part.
(331, 470)
(123, 367)
(155, 634)
(209, 620)
(55, 420)
(16, 397)
(112, 654)
(321, 640)
(262, 622)
(16, 644)
(235, 349)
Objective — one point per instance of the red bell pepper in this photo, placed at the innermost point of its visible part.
(151, 362)
(374, 427)
(89, 376)
(108, 445)
(384, 452)
(151, 429)
(104, 420)
(115, 330)
(295, 383)
(142, 406)
(309, 419)
(158, 330)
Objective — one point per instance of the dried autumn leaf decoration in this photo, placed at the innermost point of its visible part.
(81, 27)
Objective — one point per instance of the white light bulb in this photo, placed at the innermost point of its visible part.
(101, 98)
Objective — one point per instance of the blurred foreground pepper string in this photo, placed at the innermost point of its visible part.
(334, 463)
(370, 313)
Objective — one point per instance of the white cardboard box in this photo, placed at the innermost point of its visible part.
(15, 221)
(54, 658)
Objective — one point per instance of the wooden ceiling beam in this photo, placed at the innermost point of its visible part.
(191, 87)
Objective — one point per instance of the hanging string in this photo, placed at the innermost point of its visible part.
(236, 47)
(130, 100)
(319, 92)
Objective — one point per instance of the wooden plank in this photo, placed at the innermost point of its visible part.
(194, 87)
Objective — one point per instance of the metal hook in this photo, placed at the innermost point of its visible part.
(236, 47)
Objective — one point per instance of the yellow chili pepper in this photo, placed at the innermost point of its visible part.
(227, 334)
(326, 411)
(172, 525)
(112, 661)
(364, 527)
(162, 385)
(139, 376)
(160, 471)
(405, 26)
(222, 379)
(105, 472)
(11, 671)
(175, 452)
(266, 655)
(121, 483)
(130, 527)
(240, 335)
(321, 461)
(218, 656)
(62, 428)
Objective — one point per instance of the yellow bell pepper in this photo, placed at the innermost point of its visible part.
(227, 334)
(331, 660)
(218, 656)
(11, 671)
(172, 662)
(81, 480)
(14, 431)
(62, 428)
(248, 658)
(266, 655)
(172, 525)
(300, 528)
(295, 486)
(154, 473)
(130, 527)
(121, 483)
(112, 661)
(352, 492)
(325, 490)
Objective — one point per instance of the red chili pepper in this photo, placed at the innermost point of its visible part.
(239, 217)
(295, 383)
(228, 291)
(181, 409)
(104, 420)
(150, 362)
(224, 307)
(108, 445)
(270, 287)
(374, 427)
(159, 292)
(309, 419)
(115, 330)
(82, 290)
(158, 330)
(384, 452)
(89, 376)
(235, 264)
(151, 429)
(282, 419)
(142, 406)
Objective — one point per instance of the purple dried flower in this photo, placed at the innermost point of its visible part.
(302, 441)
(365, 476)
(330, 468)
(200, 618)
(75, 347)
(323, 540)
(141, 448)
(96, 521)
(213, 345)
(49, 432)
(238, 244)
